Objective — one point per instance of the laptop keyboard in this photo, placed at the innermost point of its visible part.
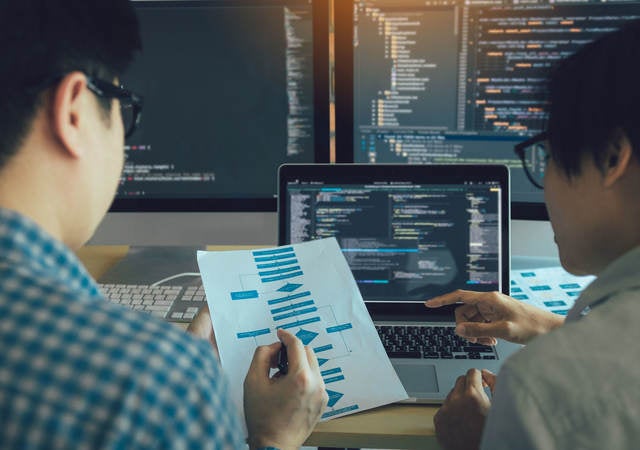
(430, 342)
(172, 303)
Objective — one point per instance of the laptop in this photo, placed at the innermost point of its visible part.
(410, 233)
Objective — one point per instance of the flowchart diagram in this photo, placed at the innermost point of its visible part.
(550, 288)
(292, 307)
(308, 290)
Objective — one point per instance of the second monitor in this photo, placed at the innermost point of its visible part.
(232, 89)
(456, 81)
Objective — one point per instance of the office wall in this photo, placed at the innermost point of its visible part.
(529, 238)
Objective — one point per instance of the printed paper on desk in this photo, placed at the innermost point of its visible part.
(549, 288)
(309, 290)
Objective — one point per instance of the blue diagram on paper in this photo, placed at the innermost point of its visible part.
(299, 309)
(308, 290)
(550, 288)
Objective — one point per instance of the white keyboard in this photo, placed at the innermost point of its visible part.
(172, 303)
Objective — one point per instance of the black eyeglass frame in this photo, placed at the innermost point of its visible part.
(520, 150)
(105, 89)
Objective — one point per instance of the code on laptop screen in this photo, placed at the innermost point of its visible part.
(403, 241)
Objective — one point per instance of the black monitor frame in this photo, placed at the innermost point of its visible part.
(320, 12)
(344, 107)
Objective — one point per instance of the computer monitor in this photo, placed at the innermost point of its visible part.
(232, 89)
(456, 81)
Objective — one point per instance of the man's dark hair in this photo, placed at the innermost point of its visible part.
(595, 94)
(44, 39)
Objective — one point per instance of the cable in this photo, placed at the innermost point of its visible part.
(186, 274)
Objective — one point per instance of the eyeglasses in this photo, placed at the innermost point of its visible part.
(534, 154)
(130, 103)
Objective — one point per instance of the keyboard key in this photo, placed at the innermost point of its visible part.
(404, 354)
(156, 308)
(483, 349)
(163, 303)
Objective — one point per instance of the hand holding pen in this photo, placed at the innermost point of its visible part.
(281, 411)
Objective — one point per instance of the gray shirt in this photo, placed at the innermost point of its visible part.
(578, 386)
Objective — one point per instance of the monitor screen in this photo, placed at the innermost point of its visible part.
(456, 81)
(232, 89)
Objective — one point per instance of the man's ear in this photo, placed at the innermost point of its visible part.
(68, 109)
(617, 158)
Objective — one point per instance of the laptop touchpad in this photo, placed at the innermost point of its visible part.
(417, 378)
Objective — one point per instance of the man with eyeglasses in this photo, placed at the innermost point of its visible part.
(75, 370)
(575, 384)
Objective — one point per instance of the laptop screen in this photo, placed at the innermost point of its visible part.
(408, 234)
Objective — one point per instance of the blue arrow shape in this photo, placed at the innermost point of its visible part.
(289, 287)
(306, 336)
(334, 397)
(321, 361)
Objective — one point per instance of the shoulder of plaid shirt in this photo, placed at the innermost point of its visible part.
(79, 372)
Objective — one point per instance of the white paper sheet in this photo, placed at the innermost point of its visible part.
(549, 288)
(309, 290)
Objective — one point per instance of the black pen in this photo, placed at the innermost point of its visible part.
(283, 362)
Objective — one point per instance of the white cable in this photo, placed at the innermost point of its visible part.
(186, 274)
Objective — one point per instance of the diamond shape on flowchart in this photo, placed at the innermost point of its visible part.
(289, 287)
(334, 397)
(306, 336)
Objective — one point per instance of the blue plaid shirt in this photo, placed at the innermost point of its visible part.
(79, 372)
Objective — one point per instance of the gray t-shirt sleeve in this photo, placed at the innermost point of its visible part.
(515, 419)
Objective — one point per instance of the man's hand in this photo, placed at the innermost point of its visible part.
(488, 380)
(460, 420)
(281, 411)
(485, 316)
(202, 327)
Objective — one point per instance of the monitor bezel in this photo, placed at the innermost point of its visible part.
(447, 173)
(344, 107)
(320, 11)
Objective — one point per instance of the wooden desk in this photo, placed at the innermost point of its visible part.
(393, 426)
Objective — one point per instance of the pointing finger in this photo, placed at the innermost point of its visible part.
(468, 297)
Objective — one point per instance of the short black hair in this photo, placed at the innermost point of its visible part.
(41, 39)
(594, 94)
